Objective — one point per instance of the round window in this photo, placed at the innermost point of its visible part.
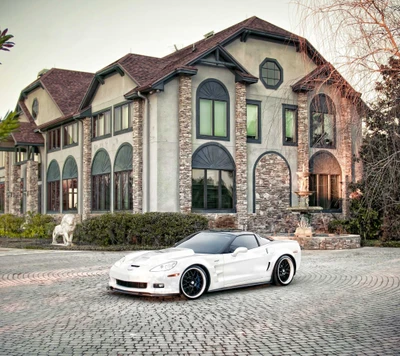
(35, 108)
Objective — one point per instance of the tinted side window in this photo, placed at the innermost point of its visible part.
(248, 241)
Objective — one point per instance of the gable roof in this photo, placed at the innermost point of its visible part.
(65, 87)
(188, 56)
(25, 134)
(325, 74)
(137, 67)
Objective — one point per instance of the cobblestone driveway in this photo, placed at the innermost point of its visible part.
(340, 302)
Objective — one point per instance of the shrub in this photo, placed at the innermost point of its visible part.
(10, 225)
(152, 229)
(38, 226)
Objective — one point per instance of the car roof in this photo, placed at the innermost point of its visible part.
(232, 232)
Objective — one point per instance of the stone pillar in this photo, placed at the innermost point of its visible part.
(7, 185)
(241, 153)
(137, 155)
(345, 151)
(185, 143)
(32, 187)
(15, 185)
(87, 164)
(303, 146)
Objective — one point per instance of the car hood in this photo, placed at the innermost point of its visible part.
(154, 258)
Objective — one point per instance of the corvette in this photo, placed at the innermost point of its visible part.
(207, 261)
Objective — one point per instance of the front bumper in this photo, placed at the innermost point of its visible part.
(146, 280)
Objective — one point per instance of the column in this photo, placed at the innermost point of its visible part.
(137, 155)
(32, 187)
(185, 143)
(241, 153)
(87, 163)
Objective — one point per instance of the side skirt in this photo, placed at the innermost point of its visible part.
(240, 286)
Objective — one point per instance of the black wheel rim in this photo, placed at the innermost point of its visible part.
(193, 282)
(284, 271)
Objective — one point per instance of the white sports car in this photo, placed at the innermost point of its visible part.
(207, 261)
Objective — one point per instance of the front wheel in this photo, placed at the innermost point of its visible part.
(284, 271)
(193, 282)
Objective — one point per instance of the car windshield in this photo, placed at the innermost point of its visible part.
(207, 242)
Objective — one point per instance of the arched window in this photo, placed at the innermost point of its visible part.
(101, 180)
(325, 181)
(123, 178)
(212, 110)
(213, 179)
(70, 185)
(53, 187)
(323, 121)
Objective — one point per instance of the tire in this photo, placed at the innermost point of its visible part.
(284, 271)
(193, 282)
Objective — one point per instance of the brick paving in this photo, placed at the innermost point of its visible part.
(340, 303)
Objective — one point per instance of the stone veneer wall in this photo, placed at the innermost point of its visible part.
(185, 143)
(32, 187)
(241, 153)
(137, 155)
(7, 187)
(345, 151)
(272, 196)
(15, 188)
(87, 164)
(303, 146)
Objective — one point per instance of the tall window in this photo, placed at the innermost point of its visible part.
(2, 159)
(54, 139)
(101, 181)
(322, 133)
(35, 108)
(101, 124)
(326, 188)
(70, 185)
(289, 119)
(271, 73)
(53, 187)
(253, 121)
(21, 154)
(2, 196)
(325, 181)
(213, 179)
(122, 118)
(212, 110)
(123, 179)
(70, 134)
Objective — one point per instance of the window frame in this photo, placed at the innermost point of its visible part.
(213, 99)
(205, 209)
(315, 198)
(66, 145)
(332, 145)
(66, 195)
(124, 198)
(295, 109)
(54, 143)
(35, 111)
(95, 117)
(229, 248)
(107, 192)
(130, 110)
(264, 79)
(249, 138)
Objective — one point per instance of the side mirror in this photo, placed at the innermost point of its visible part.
(239, 250)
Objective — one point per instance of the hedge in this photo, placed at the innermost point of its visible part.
(151, 229)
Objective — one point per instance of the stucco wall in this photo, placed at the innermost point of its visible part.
(112, 91)
(48, 110)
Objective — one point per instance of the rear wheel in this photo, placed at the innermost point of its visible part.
(193, 282)
(284, 271)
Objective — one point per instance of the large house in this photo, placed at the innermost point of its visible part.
(219, 127)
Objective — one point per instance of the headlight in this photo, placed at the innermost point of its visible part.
(164, 267)
(119, 262)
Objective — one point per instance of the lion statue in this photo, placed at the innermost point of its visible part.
(65, 229)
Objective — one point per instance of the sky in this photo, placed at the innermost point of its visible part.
(87, 35)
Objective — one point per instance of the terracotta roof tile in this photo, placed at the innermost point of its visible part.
(66, 87)
(25, 133)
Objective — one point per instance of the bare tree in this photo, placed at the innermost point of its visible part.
(358, 36)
